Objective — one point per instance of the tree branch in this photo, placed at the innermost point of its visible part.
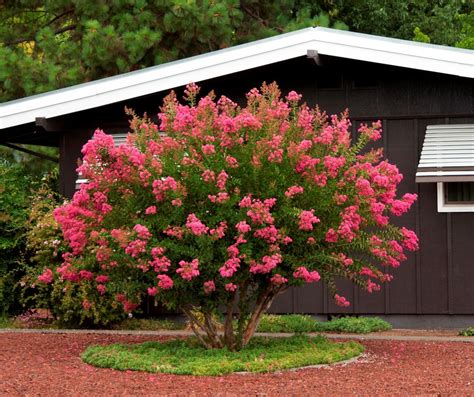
(32, 38)
(67, 12)
(263, 303)
(229, 337)
(193, 321)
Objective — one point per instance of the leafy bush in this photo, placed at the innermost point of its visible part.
(45, 246)
(467, 332)
(354, 325)
(296, 323)
(15, 191)
(187, 357)
(229, 209)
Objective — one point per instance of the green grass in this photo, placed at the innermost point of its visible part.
(297, 323)
(354, 325)
(467, 332)
(187, 357)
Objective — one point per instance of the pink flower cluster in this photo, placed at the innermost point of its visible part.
(307, 220)
(341, 301)
(306, 275)
(46, 277)
(259, 211)
(165, 282)
(267, 264)
(188, 270)
(161, 186)
(293, 191)
(196, 226)
(209, 287)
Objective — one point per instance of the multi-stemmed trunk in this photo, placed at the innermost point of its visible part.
(233, 336)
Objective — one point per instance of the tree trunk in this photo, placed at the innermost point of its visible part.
(263, 303)
(204, 331)
(234, 340)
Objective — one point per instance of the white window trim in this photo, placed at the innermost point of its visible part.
(443, 207)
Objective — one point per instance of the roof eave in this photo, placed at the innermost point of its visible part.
(160, 78)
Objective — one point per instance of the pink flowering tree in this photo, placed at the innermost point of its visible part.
(221, 208)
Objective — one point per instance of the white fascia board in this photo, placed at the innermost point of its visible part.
(402, 53)
(156, 79)
(159, 78)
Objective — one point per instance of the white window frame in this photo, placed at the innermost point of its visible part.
(443, 207)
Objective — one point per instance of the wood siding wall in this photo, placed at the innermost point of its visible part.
(437, 279)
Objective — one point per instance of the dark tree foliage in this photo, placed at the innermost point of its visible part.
(49, 44)
(436, 21)
(56, 43)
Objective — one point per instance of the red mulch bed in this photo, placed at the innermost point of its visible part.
(49, 365)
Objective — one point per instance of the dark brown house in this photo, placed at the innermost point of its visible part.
(424, 95)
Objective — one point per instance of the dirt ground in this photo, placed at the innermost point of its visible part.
(49, 365)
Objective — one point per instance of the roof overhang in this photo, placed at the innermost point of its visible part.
(305, 42)
(447, 154)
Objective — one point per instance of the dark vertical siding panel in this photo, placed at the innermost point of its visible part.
(462, 240)
(309, 299)
(401, 139)
(449, 245)
(69, 154)
(394, 93)
(439, 94)
(433, 251)
(331, 101)
(283, 303)
(416, 150)
(64, 177)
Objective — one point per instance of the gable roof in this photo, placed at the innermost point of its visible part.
(309, 41)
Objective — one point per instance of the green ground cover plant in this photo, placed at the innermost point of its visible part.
(467, 332)
(148, 324)
(6, 322)
(296, 323)
(189, 357)
(272, 323)
(354, 325)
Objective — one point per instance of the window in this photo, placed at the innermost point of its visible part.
(455, 196)
(447, 158)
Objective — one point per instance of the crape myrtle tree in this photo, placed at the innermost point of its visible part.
(221, 208)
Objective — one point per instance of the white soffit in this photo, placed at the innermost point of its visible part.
(447, 154)
(332, 42)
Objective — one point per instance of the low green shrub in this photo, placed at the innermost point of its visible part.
(6, 322)
(296, 323)
(188, 357)
(467, 332)
(354, 325)
(148, 324)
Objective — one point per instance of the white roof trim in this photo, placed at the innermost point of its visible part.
(447, 154)
(332, 42)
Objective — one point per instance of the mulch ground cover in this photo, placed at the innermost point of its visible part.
(49, 365)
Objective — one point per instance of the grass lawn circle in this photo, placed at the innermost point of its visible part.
(187, 357)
